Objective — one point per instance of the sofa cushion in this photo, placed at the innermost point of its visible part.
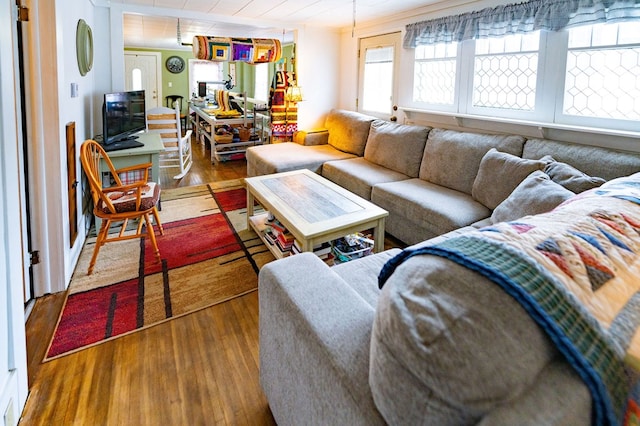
(537, 193)
(348, 130)
(397, 147)
(359, 175)
(452, 158)
(282, 157)
(570, 177)
(361, 274)
(594, 161)
(432, 207)
(498, 176)
(451, 339)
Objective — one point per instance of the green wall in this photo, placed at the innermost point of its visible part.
(245, 73)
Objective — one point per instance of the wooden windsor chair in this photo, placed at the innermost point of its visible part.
(129, 195)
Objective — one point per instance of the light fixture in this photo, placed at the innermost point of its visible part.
(293, 93)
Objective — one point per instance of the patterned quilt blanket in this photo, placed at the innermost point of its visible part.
(576, 271)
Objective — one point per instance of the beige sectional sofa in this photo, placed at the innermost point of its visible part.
(440, 343)
(425, 176)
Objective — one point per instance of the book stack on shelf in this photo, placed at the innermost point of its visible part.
(276, 234)
(323, 251)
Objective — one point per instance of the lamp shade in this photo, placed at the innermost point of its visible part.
(293, 94)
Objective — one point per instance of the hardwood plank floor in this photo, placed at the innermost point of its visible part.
(198, 369)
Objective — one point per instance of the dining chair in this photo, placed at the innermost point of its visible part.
(118, 196)
(166, 122)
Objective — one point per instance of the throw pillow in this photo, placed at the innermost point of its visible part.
(570, 177)
(498, 176)
(536, 194)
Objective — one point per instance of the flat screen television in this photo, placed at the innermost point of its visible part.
(123, 115)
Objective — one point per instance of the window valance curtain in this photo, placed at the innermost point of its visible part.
(552, 15)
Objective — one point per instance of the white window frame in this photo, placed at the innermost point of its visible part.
(549, 102)
(261, 80)
(407, 93)
(582, 121)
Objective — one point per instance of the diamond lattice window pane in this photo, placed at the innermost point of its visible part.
(434, 74)
(603, 71)
(603, 83)
(506, 81)
(506, 72)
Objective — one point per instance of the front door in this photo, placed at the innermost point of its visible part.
(142, 71)
(378, 71)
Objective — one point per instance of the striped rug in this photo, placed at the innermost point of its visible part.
(208, 257)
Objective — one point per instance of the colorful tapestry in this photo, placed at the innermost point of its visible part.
(284, 115)
(575, 271)
(250, 50)
(212, 48)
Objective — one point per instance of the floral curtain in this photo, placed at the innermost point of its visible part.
(552, 15)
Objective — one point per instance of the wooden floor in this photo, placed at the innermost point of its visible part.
(199, 369)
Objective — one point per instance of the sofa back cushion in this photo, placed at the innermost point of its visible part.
(569, 177)
(397, 147)
(594, 161)
(452, 158)
(348, 130)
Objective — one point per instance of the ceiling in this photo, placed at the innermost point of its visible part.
(152, 28)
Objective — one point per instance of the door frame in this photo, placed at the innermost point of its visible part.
(13, 361)
(390, 39)
(158, 57)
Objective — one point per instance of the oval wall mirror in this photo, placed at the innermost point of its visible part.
(84, 47)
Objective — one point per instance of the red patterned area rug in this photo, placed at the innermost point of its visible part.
(208, 257)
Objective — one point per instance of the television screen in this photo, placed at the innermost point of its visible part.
(124, 113)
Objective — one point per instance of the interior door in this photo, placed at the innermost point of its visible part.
(13, 357)
(142, 71)
(378, 70)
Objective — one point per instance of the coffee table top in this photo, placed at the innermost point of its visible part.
(309, 204)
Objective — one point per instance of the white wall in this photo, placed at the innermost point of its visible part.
(79, 109)
(52, 68)
(319, 75)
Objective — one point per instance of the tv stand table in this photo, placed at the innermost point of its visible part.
(149, 153)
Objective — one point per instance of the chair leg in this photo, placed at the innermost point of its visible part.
(102, 236)
(152, 235)
(157, 218)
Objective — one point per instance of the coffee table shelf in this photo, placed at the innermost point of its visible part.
(259, 224)
(314, 209)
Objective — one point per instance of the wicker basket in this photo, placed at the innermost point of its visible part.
(244, 134)
(223, 138)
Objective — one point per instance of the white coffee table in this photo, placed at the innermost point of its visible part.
(314, 209)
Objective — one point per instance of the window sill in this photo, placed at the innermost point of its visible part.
(542, 129)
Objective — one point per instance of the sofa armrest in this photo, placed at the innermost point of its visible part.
(315, 332)
(311, 137)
